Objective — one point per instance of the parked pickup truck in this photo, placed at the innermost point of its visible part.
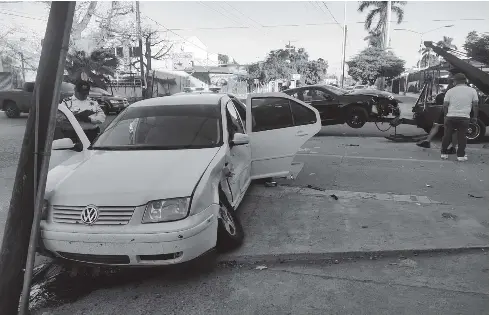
(16, 101)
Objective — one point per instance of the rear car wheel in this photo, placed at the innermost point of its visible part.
(476, 131)
(356, 116)
(11, 109)
(230, 234)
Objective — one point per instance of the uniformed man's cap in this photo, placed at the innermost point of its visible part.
(459, 77)
(82, 86)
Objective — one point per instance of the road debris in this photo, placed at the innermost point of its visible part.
(315, 188)
(352, 145)
(312, 174)
(428, 185)
(478, 197)
(262, 267)
(408, 263)
(447, 215)
(364, 226)
(334, 196)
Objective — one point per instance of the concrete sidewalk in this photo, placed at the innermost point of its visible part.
(283, 223)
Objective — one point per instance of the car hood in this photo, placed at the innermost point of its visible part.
(128, 178)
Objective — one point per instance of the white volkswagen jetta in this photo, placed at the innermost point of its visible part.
(162, 182)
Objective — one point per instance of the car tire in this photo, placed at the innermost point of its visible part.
(11, 109)
(230, 234)
(476, 132)
(356, 116)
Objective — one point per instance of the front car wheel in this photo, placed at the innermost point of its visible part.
(230, 234)
(11, 110)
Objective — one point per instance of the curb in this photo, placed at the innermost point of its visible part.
(341, 256)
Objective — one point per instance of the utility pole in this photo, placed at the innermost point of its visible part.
(344, 58)
(387, 40)
(140, 37)
(30, 181)
(149, 88)
(23, 66)
(343, 54)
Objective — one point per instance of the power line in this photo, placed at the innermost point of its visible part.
(213, 9)
(324, 3)
(244, 14)
(171, 31)
(23, 16)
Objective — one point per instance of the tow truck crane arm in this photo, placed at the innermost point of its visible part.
(476, 76)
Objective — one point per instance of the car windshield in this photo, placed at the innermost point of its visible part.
(336, 90)
(167, 127)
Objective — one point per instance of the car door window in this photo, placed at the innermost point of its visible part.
(271, 113)
(234, 122)
(241, 109)
(302, 115)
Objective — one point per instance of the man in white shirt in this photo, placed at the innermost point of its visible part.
(458, 104)
(85, 109)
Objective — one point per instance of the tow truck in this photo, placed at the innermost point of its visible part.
(427, 109)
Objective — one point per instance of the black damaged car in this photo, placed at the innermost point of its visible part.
(339, 106)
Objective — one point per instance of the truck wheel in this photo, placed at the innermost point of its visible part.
(11, 109)
(356, 116)
(476, 132)
(230, 232)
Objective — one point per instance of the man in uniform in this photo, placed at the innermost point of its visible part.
(86, 110)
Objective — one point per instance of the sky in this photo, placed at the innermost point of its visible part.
(251, 41)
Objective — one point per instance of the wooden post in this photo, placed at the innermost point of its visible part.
(16, 238)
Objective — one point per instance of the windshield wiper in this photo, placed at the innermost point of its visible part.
(147, 147)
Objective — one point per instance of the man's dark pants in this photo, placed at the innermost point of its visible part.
(460, 126)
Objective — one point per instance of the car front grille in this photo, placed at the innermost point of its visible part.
(107, 215)
(96, 259)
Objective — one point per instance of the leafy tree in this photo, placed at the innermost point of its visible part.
(315, 71)
(99, 65)
(379, 12)
(223, 59)
(373, 63)
(477, 47)
(282, 63)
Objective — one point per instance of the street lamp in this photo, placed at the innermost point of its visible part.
(422, 33)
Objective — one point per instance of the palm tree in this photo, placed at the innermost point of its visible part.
(447, 42)
(428, 57)
(374, 39)
(99, 65)
(379, 10)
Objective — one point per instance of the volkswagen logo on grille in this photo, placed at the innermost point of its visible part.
(89, 215)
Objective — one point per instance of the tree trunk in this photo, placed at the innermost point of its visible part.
(79, 27)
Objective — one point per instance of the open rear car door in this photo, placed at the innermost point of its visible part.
(278, 128)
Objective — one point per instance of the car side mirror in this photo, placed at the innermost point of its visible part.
(328, 97)
(240, 139)
(63, 144)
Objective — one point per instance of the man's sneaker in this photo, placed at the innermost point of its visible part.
(444, 156)
(424, 144)
(462, 158)
(451, 150)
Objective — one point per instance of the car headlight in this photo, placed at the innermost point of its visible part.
(391, 97)
(166, 210)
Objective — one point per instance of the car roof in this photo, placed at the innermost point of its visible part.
(184, 99)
